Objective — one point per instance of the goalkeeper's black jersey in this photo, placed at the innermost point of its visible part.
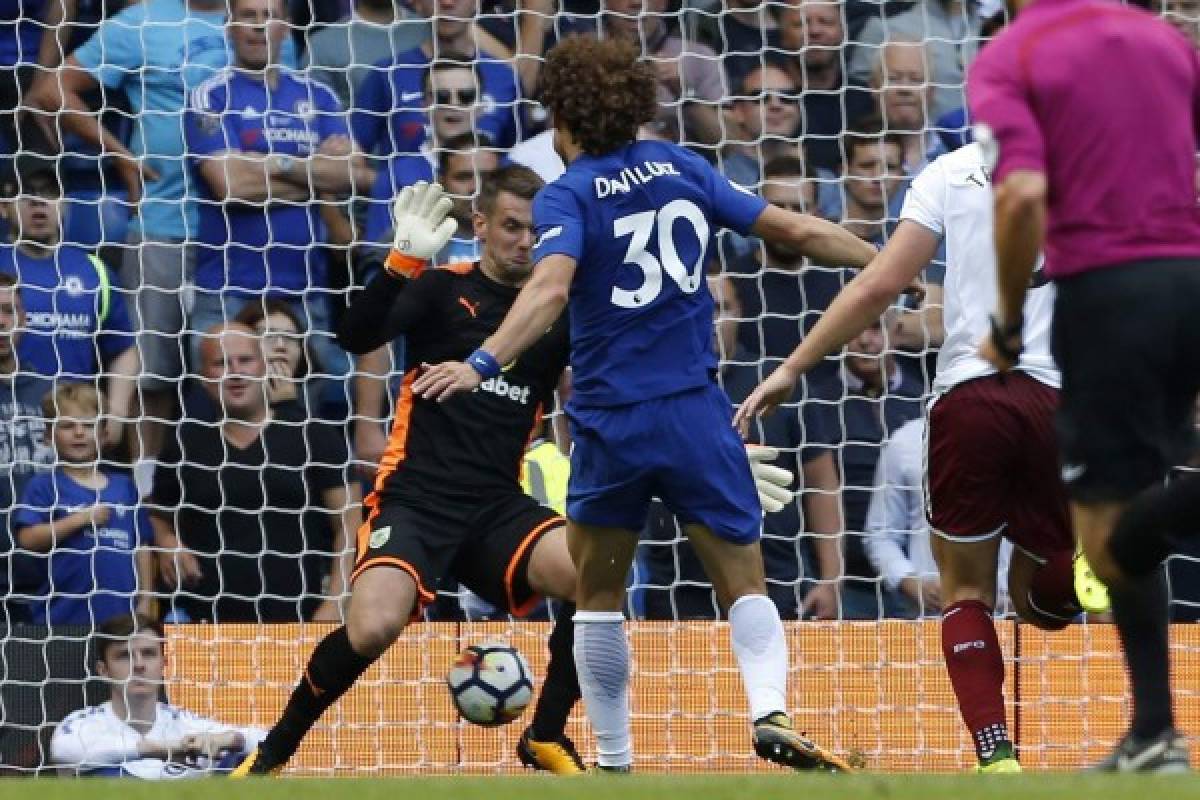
(473, 442)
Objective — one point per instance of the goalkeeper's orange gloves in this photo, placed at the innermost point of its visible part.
(422, 229)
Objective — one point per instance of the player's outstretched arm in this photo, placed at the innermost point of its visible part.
(374, 317)
(826, 243)
(1020, 232)
(854, 309)
(421, 231)
(536, 308)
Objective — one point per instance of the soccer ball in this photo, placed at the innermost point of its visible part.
(490, 684)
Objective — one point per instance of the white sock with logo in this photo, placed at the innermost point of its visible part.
(761, 650)
(602, 661)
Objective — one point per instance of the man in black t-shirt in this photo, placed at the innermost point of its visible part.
(250, 511)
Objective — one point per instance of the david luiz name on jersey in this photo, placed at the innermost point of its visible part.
(633, 176)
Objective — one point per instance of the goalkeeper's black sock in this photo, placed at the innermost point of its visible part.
(1139, 607)
(332, 669)
(560, 691)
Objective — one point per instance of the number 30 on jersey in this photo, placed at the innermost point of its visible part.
(640, 227)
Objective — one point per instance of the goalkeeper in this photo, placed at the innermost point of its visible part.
(447, 498)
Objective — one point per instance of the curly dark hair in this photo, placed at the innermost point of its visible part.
(600, 91)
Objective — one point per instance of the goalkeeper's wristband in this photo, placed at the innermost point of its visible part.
(484, 363)
(404, 266)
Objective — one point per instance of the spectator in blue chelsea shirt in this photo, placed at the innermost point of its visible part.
(389, 116)
(88, 520)
(266, 143)
(156, 52)
(77, 326)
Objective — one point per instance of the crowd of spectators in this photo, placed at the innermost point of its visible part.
(193, 187)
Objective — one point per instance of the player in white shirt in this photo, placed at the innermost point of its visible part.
(133, 734)
(992, 466)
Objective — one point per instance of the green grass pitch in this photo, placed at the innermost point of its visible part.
(635, 787)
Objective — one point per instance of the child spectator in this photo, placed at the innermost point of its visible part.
(87, 519)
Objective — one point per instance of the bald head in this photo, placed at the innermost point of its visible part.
(900, 61)
(813, 28)
(902, 76)
(233, 367)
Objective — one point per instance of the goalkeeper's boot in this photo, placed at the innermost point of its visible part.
(558, 756)
(255, 764)
(1091, 593)
(777, 741)
(1164, 754)
(1002, 762)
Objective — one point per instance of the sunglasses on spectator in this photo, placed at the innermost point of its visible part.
(455, 97)
(786, 96)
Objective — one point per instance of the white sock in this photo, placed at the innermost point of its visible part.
(602, 661)
(762, 653)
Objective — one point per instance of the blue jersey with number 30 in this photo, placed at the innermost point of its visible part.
(640, 223)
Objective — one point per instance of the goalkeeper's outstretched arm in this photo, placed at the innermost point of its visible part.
(389, 305)
(377, 316)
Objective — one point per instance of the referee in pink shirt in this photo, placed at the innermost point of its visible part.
(1089, 110)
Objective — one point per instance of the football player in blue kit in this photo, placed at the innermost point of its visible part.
(624, 236)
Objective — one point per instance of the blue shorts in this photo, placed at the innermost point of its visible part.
(681, 448)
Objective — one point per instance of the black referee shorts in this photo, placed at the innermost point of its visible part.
(485, 544)
(1127, 339)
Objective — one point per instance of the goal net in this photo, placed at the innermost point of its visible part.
(162, 177)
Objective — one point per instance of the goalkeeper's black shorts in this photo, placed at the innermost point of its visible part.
(485, 545)
(1127, 339)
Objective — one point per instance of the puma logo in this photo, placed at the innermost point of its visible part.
(472, 308)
